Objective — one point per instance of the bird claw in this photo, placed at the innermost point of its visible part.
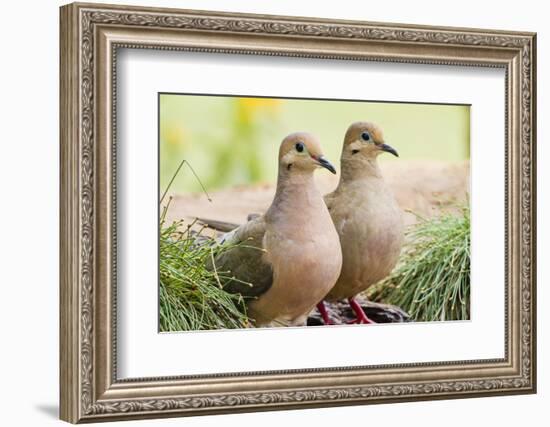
(361, 317)
(361, 321)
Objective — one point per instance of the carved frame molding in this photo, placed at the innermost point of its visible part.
(90, 37)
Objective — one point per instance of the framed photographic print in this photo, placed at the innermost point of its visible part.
(267, 212)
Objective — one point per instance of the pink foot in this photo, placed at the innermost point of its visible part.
(324, 314)
(361, 317)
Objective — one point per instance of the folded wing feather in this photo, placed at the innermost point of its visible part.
(242, 268)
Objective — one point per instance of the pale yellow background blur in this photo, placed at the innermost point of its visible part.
(233, 141)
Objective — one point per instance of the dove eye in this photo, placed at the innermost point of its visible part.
(299, 147)
(365, 136)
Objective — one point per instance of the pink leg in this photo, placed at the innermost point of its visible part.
(358, 310)
(324, 314)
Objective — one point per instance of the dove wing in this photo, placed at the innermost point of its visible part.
(245, 260)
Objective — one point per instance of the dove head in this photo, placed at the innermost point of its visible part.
(365, 140)
(301, 152)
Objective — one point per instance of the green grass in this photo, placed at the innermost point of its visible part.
(191, 295)
(432, 280)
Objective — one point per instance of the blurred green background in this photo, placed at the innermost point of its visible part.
(235, 140)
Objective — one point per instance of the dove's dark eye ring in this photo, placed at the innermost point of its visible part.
(299, 147)
(365, 136)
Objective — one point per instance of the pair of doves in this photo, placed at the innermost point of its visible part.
(306, 248)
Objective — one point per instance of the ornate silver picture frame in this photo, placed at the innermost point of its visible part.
(91, 35)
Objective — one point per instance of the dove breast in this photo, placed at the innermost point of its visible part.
(369, 222)
(306, 261)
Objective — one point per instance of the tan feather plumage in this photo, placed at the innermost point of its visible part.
(295, 240)
(365, 213)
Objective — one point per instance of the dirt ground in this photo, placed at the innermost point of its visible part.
(422, 187)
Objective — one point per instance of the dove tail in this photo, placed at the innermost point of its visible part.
(218, 225)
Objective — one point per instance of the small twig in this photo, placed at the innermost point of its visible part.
(214, 267)
(174, 177)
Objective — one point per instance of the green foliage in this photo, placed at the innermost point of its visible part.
(191, 295)
(432, 280)
(223, 137)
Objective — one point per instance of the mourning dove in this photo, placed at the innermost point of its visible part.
(366, 216)
(290, 257)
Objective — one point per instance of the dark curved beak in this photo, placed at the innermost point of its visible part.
(326, 164)
(388, 149)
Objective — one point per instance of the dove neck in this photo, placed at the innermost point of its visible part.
(353, 169)
(292, 185)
